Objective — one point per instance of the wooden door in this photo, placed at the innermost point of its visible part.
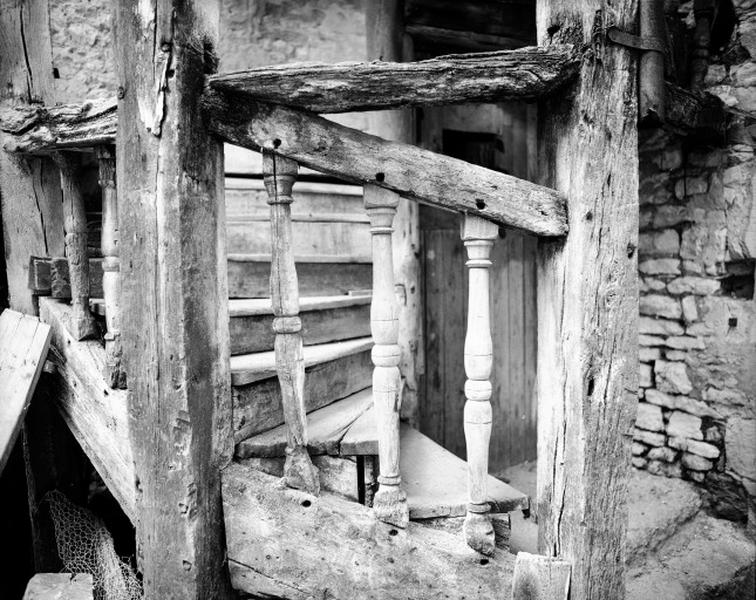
(500, 137)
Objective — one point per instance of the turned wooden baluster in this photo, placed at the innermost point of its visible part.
(111, 269)
(478, 236)
(82, 324)
(279, 176)
(390, 501)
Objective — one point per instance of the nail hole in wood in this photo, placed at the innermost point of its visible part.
(589, 216)
(732, 321)
(393, 532)
(484, 561)
(480, 204)
(591, 385)
(276, 143)
(306, 503)
(380, 176)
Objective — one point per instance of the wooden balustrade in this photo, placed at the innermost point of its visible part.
(82, 323)
(478, 236)
(279, 175)
(390, 502)
(111, 268)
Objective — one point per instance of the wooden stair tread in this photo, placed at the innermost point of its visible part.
(248, 307)
(248, 368)
(434, 479)
(325, 429)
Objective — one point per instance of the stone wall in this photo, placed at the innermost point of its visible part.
(697, 412)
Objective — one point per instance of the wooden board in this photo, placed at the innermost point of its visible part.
(95, 413)
(257, 406)
(23, 347)
(434, 479)
(325, 428)
(286, 543)
(525, 73)
(250, 277)
(59, 586)
(346, 317)
(248, 368)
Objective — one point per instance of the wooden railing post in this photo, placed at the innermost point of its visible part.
(111, 269)
(390, 502)
(82, 323)
(478, 236)
(279, 176)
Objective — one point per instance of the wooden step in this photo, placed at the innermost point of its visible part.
(434, 479)
(333, 371)
(324, 319)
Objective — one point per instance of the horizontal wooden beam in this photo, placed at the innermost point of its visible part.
(695, 114)
(522, 74)
(286, 543)
(413, 172)
(42, 129)
(95, 413)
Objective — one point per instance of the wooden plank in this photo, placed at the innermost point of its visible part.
(23, 347)
(254, 333)
(50, 277)
(325, 428)
(41, 129)
(59, 586)
(587, 305)
(249, 278)
(96, 414)
(285, 543)
(522, 74)
(248, 368)
(174, 293)
(337, 474)
(540, 578)
(433, 478)
(411, 171)
(257, 406)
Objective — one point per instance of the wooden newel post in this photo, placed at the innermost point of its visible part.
(390, 502)
(111, 269)
(279, 175)
(82, 323)
(478, 236)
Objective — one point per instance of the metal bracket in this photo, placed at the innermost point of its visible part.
(637, 42)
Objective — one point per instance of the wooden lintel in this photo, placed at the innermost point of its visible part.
(95, 413)
(521, 74)
(413, 172)
(286, 543)
(35, 129)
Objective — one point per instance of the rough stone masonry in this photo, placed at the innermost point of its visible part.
(697, 412)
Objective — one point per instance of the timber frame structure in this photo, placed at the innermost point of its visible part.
(153, 408)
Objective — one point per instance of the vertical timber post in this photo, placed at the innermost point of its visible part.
(174, 302)
(387, 41)
(588, 301)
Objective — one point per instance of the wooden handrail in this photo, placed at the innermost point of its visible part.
(390, 501)
(478, 236)
(279, 175)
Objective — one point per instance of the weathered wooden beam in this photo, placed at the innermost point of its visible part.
(50, 277)
(42, 129)
(96, 414)
(174, 325)
(695, 114)
(408, 170)
(521, 74)
(289, 544)
(587, 304)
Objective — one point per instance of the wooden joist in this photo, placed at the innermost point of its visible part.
(408, 170)
(40, 129)
(95, 413)
(286, 543)
(521, 74)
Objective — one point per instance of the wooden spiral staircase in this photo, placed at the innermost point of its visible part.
(324, 493)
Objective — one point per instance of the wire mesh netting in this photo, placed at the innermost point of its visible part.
(86, 546)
